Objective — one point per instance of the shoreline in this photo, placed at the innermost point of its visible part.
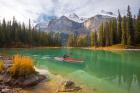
(56, 84)
(117, 47)
(40, 82)
(112, 49)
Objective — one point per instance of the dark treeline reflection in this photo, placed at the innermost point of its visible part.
(121, 68)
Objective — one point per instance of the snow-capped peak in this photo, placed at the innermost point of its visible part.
(76, 18)
(73, 15)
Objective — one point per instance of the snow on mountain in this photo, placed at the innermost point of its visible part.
(76, 18)
(72, 22)
(65, 25)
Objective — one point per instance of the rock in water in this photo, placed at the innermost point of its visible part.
(69, 86)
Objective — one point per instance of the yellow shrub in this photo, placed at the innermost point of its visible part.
(22, 66)
(1, 65)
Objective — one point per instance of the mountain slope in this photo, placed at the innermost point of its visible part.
(73, 23)
(94, 23)
(65, 25)
(43, 20)
(76, 18)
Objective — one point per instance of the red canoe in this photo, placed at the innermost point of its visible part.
(68, 59)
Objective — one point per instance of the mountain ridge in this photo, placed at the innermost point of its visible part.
(73, 23)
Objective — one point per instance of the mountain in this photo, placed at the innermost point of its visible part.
(94, 23)
(76, 18)
(43, 21)
(65, 25)
(72, 23)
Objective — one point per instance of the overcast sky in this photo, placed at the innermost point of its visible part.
(25, 9)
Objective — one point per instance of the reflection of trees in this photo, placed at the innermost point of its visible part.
(122, 68)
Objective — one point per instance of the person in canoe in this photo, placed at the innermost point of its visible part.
(66, 56)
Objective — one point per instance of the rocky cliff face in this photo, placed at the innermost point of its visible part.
(43, 20)
(65, 25)
(73, 23)
(93, 23)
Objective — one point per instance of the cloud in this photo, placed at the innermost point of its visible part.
(25, 9)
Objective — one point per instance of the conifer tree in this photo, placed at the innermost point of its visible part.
(130, 28)
(101, 35)
(92, 39)
(114, 27)
(106, 33)
(124, 31)
(111, 32)
(138, 28)
(95, 39)
(119, 28)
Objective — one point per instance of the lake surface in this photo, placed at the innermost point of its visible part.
(103, 71)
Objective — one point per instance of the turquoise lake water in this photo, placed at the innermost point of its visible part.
(109, 72)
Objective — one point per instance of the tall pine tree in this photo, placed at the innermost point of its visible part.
(130, 28)
(101, 35)
(138, 28)
(119, 27)
(124, 31)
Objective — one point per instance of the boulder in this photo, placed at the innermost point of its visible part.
(33, 80)
(69, 86)
(29, 81)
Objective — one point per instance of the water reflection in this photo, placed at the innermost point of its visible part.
(122, 68)
(118, 68)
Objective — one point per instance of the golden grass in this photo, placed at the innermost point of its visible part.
(1, 65)
(22, 66)
(113, 47)
(117, 47)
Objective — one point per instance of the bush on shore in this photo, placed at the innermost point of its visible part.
(1, 66)
(22, 66)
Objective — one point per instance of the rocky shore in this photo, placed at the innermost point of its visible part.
(33, 82)
(10, 84)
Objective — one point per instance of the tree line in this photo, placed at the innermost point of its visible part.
(78, 40)
(14, 34)
(123, 30)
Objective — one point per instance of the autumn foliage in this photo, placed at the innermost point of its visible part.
(1, 65)
(22, 66)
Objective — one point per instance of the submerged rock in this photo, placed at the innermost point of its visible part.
(69, 86)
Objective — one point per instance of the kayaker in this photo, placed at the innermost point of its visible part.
(65, 56)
